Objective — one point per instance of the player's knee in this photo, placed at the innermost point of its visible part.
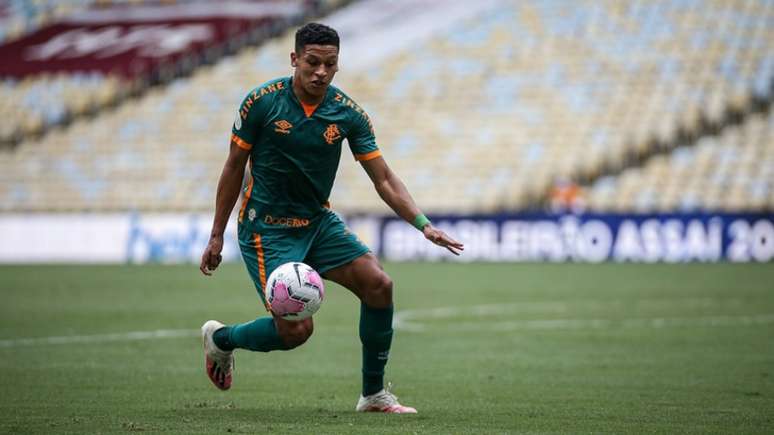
(296, 334)
(379, 292)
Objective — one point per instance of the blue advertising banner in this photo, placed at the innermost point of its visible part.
(181, 238)
(672, 238)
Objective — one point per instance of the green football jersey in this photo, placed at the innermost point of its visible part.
(295, 149)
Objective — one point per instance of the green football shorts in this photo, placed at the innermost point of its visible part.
(323, 243)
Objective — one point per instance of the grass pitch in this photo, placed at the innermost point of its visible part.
(479, 348)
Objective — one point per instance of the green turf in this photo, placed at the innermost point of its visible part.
(528, 349)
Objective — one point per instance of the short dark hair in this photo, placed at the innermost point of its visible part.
(315, 33)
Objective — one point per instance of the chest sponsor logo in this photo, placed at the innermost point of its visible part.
(332, 134)
(283, 127)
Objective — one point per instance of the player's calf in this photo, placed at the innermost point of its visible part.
(376, 291)
(294, 333)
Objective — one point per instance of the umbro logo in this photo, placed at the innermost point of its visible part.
(283, 127)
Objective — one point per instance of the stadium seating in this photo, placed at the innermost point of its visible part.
(731, 171)
(27, 106)
(486, 115)
(536, 92)
(37, 103)
(18, 17)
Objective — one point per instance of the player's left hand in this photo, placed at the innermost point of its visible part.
(440, 238)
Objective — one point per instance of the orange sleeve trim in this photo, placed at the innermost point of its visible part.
(368, 156)
(240, 143)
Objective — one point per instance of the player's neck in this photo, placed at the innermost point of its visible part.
(305, 97)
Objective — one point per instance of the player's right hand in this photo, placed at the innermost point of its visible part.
(211, 258)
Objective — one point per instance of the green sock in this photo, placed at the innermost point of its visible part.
(260, 335)
(376, 336)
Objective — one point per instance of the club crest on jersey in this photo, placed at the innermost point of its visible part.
(332, 134)
(283, 127)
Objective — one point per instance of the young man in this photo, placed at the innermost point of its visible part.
(290, 131)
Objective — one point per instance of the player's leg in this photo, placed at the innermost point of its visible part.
(261, 254)
(264, 334)
(340, 257)
(365, 278)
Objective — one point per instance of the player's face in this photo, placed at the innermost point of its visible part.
(315, 67)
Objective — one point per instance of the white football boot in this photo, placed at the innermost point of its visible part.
(383, 401)
(219, 363)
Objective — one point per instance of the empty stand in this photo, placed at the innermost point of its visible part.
(486, 115)
(733, 170)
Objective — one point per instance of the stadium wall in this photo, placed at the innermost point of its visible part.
(180, 238)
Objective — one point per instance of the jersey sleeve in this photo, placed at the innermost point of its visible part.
(362, 141)
(248, 121)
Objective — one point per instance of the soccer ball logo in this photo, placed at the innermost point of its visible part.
(295, 291)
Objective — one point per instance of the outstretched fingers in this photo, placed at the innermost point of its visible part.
(452, 245)
(440, 238)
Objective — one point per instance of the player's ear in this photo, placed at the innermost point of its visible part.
(293, 59)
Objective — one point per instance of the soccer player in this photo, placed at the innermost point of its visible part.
(289, 131)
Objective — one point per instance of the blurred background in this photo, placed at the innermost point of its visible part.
(537, 132)
(532, 130)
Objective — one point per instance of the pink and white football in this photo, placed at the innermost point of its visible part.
(294, 291)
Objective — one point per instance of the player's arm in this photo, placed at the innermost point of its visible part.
(394, 193)
(229, 185)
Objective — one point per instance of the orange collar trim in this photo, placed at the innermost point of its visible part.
(308, 108)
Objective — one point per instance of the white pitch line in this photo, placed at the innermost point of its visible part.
(401, 321)
(412, 320)
(579, 324)
(100, 338)
(558, 307)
